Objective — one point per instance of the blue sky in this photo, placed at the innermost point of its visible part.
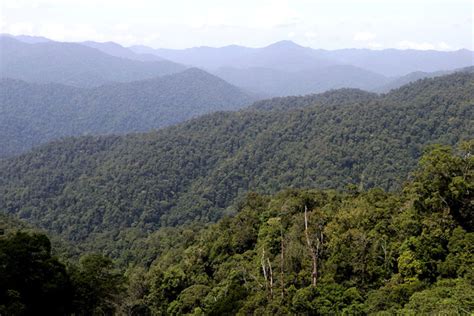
(330, 24)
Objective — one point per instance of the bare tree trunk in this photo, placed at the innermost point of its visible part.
(264, 268)
(282, 265)
(314, 274)
(271, 277)
(319, 249)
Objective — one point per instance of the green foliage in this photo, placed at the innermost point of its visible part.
(103, 190)
(445, 297)
(97, 286)
(31, 280)
(369, 262)
(377, 253)
(446, 181)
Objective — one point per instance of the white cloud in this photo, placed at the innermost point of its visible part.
(17, 28)
(78, 32)
(310, 35)
(122, 27)
(444, 46)
(364, 36)
(185, 23)
(415, 45)
(424, 45)
(375, 45)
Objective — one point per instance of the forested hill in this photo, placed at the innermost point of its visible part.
(339, 97)
(36, 113)
(91, 187)
(298, 252)
(73, 64)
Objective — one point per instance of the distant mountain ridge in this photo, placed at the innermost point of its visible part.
(27, 38)
(387, 62)
(280, 69)
(73, 64)
(36, 113)
(117, 50)
(286, 68)
(273, 82)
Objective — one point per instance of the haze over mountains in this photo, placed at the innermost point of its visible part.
(52, 89)
(283, 68)
(73, 64)
(289, 56)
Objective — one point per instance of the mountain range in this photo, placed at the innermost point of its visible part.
(289, 56)
(52, 89)
(73, 64)
(281, 69)
(285, 68)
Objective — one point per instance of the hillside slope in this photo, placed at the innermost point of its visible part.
(298, 252)
(355, 256)
(37, 113)
(92, 187)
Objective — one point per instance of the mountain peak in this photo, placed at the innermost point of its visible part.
(286, 44)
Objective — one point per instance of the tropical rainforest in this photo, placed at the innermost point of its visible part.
(132, 185)
(308, 251)
(97, 189)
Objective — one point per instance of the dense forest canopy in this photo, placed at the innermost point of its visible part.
(98, 189)
(297, 252)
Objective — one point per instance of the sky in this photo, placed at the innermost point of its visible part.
(328, 24)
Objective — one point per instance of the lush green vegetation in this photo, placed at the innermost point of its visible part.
(37, 113)
(314, 252)
(99, 189)
(35, 282)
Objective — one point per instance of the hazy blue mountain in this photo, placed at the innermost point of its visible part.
(279, 69)
(285, 68)
(397, 82)
(290, 56)
(273, 82)
(396, 62)
(31, 113)
(73, 64)
(284, 55)
(117, 50)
